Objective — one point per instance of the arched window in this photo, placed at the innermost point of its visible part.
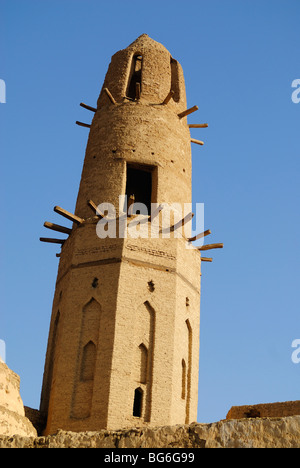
(138, 402)
(135, 77)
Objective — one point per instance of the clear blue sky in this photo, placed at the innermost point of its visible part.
(239, 59)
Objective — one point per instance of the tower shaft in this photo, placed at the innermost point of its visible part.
(124, 335)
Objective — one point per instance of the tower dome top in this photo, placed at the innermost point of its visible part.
(145, 42)
(149, 65)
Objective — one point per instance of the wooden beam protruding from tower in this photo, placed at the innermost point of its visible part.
(169, 97)
(198, 142)
(156, 212)
(95, 209)
(188, 111)
(205, 125)
(81, 124)
(206, 259)
(180, 223)
(200, 235)
(93, 109)
(68, 215)
(211, 246)
(57, 227)
(52, 241)
(112, 99)
(186, 219)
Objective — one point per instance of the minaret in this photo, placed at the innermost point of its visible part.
(123, 344)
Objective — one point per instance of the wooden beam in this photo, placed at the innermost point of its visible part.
(211, 246)
(138, 91)
(205, 125)
(57, 227)
(169, 97)
(198, 142)
(182, 222)
(199, 236)
(81, 124)
(95, 208)
(188, 111)
(93, 109)
(92, 205)
(156, 212)
(110, 96)
(68, 215)
(206, 259)
(52, 241)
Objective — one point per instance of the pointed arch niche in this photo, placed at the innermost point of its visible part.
(189, 371)
(86, 361)
(143, 361)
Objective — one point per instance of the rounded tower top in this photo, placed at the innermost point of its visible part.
(146, 42)
(150, 65)
(139, 145)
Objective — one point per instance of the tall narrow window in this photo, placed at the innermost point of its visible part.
(135, 77)
(138, 401)
(139, 185)
(175, 80)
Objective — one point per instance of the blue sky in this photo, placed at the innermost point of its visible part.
(239, 58)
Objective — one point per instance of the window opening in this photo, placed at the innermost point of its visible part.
(139, 186)
(135, 79)
(175, 80)
(137, 404)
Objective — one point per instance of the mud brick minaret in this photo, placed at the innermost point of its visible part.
(123, 344)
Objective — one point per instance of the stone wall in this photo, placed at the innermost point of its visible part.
(265, 410)
(12, 414)
(244, 433)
